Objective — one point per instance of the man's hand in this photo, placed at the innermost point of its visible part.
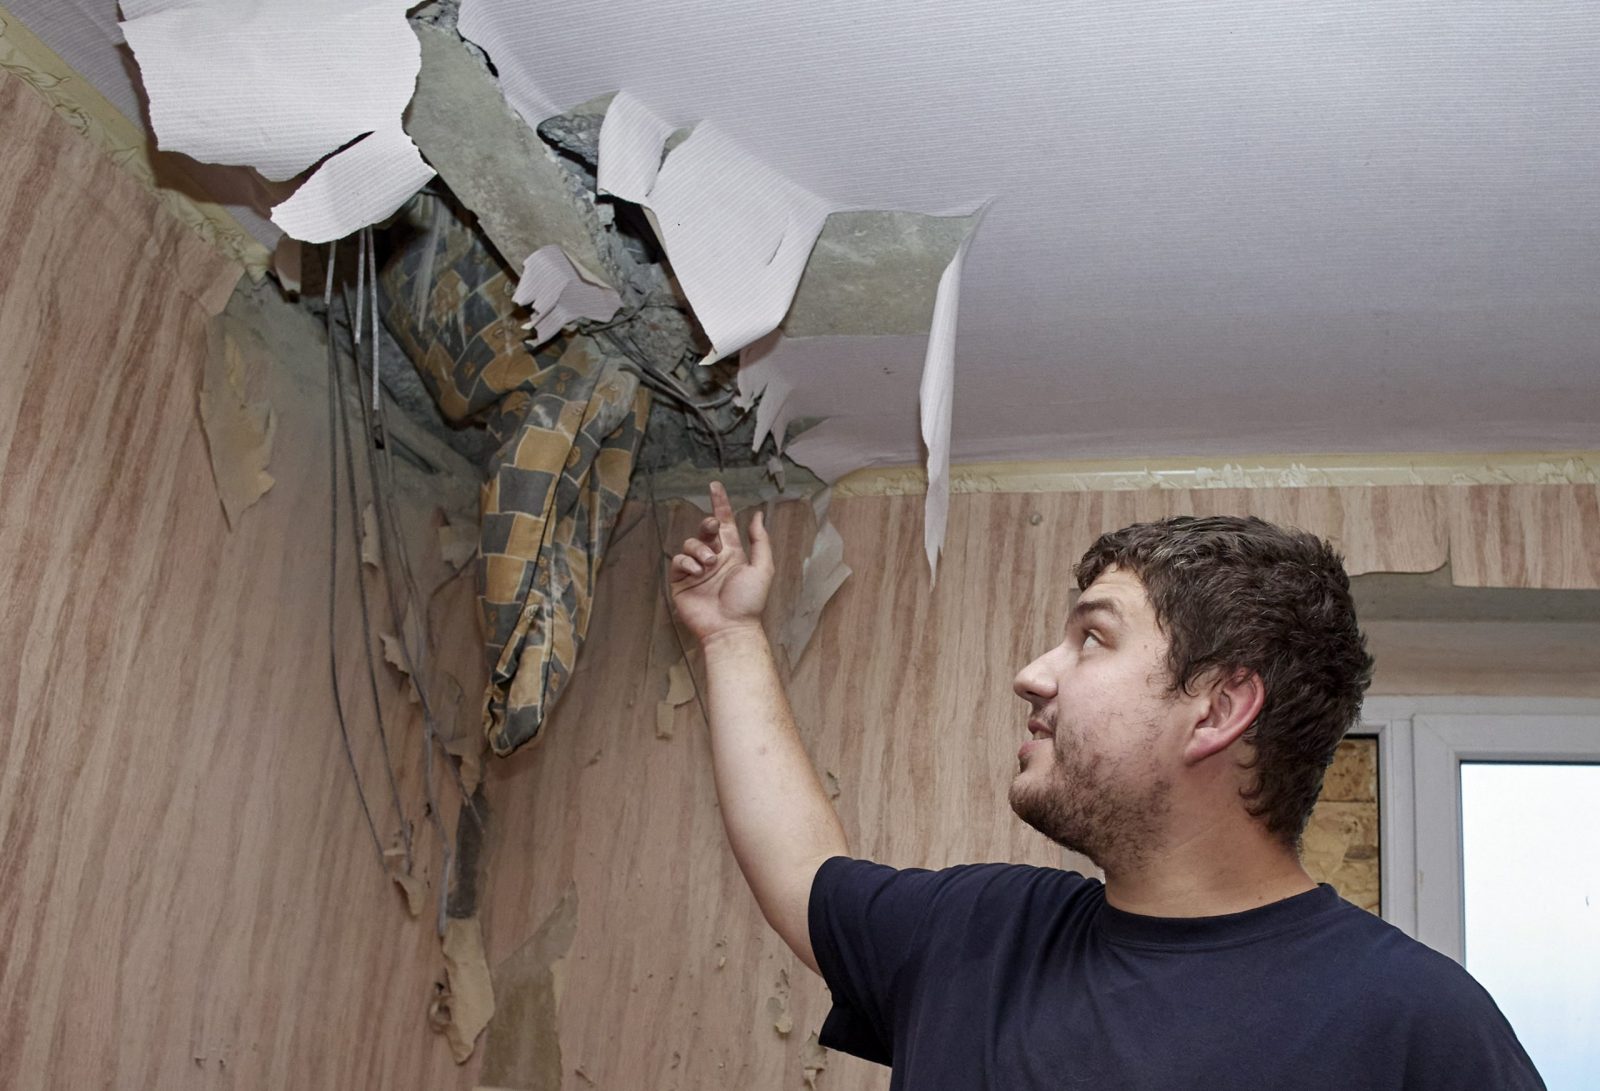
(779, 821)
(716, 586)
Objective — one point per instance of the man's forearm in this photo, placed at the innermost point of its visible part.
(779, 821)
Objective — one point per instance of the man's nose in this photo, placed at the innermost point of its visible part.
(1035, 683)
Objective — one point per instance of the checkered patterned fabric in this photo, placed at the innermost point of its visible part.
(568, 422)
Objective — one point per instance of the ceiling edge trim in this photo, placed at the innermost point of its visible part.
(92, 115)
(1252, 472)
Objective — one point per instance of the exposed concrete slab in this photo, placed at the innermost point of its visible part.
(874, 272)
(493, 162)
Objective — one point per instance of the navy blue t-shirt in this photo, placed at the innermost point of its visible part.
(1010, 977)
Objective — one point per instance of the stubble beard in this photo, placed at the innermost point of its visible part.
(1113, 820)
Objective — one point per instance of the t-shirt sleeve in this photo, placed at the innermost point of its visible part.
(1462, 1039)
(866, 924)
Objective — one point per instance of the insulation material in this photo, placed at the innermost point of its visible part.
(280, 86)
(569, 422)
(737, 232)
(559, 294)
(822, 574)
(471, 997)
(238, 432)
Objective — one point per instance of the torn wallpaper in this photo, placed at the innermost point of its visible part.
(568, 422)
(558, 293)
(737, 232)
(280, 86)
(938, 383)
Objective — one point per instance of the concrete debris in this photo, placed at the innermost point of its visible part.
(494, 164)
(874, 273)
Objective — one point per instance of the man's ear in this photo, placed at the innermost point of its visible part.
(1233, 701)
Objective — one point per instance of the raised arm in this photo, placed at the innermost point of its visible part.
(778, 817)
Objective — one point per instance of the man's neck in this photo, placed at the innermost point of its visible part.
(1208, 873)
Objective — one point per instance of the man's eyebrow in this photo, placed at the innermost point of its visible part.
(1085, 607)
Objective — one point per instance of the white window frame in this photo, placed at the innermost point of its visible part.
(1422, 742)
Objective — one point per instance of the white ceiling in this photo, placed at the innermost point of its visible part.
(1240, 226)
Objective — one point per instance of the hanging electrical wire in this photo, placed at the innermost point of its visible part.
(341, 437)
(333, 568)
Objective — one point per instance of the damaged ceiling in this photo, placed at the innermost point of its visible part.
(1216, 229)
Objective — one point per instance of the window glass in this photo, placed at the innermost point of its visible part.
(1530, 852)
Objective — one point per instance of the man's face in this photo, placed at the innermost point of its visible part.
(1107, 734)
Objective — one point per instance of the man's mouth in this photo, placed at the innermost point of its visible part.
(1041, 734)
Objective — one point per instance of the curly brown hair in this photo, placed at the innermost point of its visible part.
(1232, 593)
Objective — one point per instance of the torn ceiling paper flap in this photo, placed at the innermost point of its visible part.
(280, 86)
(935, 400)
(363, 184)
(822, 574)
(840, 445)
(631, 139)
(761, 376)
(737, 232)
(558, 293)
(861, 387)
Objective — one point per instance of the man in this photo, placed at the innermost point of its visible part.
(1179, 735)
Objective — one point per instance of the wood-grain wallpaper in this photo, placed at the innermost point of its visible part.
(190, 896)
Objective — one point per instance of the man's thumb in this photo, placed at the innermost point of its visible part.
(760, 543)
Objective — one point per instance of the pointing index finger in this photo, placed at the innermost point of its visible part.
(720, 507)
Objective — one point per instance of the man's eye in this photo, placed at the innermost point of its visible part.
(1088, 636)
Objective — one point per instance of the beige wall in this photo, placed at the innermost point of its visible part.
(191, 898)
